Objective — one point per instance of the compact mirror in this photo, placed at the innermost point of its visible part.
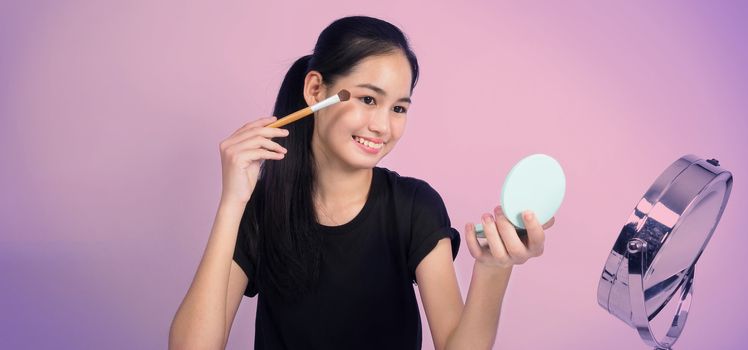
(537, 183)
(656, 251)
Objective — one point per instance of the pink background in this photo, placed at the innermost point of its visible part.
(111, 114)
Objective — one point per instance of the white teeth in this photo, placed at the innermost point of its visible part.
(368, 143)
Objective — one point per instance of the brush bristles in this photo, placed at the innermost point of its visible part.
(344, 95)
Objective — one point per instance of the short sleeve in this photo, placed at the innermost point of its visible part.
(429, 223)
(242, 257)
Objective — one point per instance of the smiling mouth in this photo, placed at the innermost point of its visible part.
(367, 143)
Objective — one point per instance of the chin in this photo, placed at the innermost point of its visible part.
(359, 161)
(363, 164)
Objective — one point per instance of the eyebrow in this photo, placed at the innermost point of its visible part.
(381, 91)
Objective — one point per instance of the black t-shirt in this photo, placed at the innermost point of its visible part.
(366, 298)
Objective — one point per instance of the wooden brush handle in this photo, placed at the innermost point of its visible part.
(291, 117)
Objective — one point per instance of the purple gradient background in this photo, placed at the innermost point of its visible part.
(111, 114)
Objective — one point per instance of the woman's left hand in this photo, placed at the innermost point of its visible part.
(505, 247)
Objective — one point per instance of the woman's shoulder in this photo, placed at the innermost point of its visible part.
(394, 179)
(405, 186)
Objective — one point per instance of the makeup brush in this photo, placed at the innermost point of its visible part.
(341, 96)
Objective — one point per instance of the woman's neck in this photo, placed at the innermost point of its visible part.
(337, 187)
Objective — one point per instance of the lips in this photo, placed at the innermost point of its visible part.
(371, 145)
(370, 139)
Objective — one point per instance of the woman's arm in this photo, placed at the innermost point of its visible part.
(204, 318)
(474, 325)
(454, 325)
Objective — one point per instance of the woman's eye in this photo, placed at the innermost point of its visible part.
(368, 100)
(400, 109)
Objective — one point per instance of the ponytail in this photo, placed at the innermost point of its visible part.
(290, 249)
(291, 95)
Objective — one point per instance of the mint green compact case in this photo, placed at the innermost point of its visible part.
(536, 183)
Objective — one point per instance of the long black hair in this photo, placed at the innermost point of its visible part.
(283, 243)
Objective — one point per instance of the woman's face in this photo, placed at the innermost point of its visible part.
(356, 134)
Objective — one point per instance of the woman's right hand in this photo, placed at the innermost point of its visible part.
(241, 156)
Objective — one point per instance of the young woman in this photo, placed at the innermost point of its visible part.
(331, 243)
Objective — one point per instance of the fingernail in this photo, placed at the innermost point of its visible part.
(486, 218)
(528, 215)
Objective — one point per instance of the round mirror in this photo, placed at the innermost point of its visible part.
(656, 251)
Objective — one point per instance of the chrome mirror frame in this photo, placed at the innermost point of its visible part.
(631, 287)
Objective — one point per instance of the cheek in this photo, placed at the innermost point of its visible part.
(397, 128)
(335, 118)
(347, 120)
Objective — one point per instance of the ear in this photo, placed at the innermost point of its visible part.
(314, 88)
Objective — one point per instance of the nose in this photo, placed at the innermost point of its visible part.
(380, 122)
